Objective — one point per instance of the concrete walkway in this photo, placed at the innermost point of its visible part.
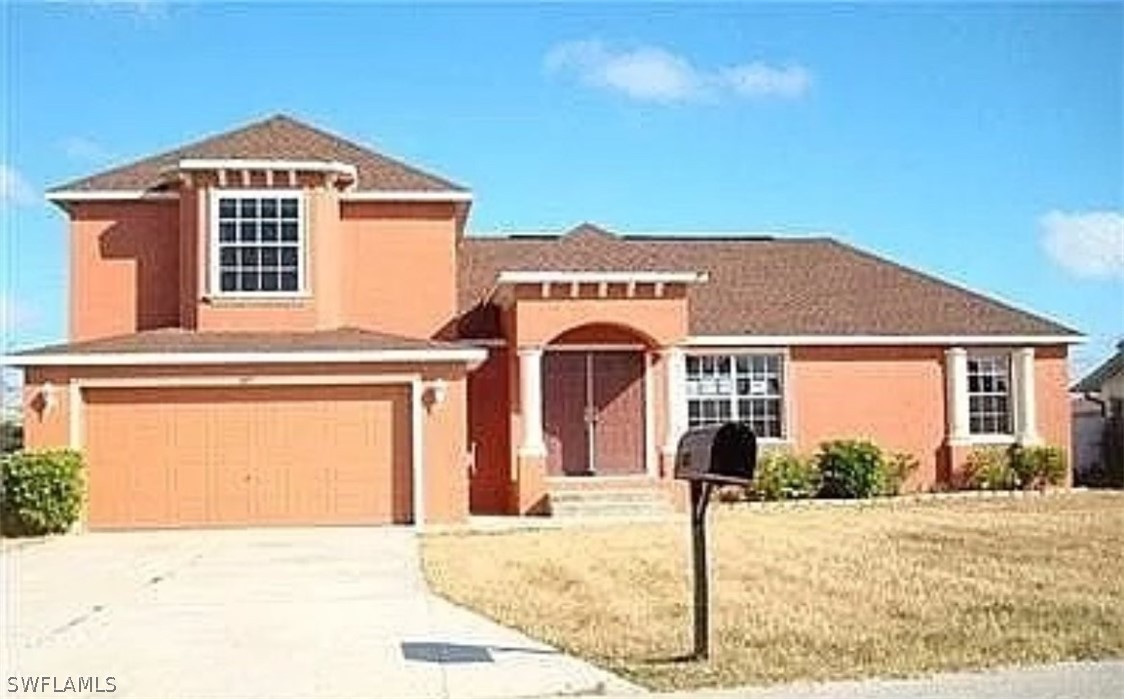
(1100, 680)
(326, 612)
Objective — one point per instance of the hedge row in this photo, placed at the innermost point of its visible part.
(854, 468)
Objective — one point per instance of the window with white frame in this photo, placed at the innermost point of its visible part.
(744, 387)
(989, 394)
(258, 242)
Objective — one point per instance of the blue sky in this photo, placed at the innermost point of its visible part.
(984, 144)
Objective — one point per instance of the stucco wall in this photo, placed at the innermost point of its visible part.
(124, 268)
(398, 268)
(892, 395)
(145, 264)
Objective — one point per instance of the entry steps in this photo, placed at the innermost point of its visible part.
(647, 502)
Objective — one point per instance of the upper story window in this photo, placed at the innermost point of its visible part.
(989, 395)
(744, 387)
(257, 246)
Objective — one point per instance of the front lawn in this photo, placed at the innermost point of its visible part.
(894, 588)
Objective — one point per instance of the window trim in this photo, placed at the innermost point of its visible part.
(786, 413)
(1008, 437)
(214, 290)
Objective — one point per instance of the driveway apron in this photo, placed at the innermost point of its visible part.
(324, 612)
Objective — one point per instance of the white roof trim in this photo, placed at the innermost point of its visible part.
(881, 340)
(470, 355)
(397, 195)
(550, 277)
(109, 195)
(266, 164)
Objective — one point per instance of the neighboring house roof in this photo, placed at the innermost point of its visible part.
(276, 138)
(182, 344)
(1111, 367)
(758, 285)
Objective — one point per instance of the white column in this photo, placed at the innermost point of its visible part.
(675, 378)
(956, 371)
(1026, 419)
(530, 401)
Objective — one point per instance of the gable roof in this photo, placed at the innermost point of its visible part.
(277, 138)
(1095, 380)
(759, 285)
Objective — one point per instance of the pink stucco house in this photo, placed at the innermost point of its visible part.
(275, 325)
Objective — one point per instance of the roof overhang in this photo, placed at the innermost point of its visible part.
(473, 356)
(208, 164)
(878, 340)
(68, 195)
(78, 195)
(590, 277)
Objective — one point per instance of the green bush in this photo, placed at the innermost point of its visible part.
(1014, 468)
(784, 476)
(851, 468)
(40, 492)
(989, 468)
(1037, 467)
(11, 436)
(899, 467)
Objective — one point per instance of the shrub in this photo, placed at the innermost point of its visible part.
(989, 468)
(1037, 467)
(40, 492)
(784, 476)
(899, 467)
(1014, 467)
(11, 436)
(851, 469)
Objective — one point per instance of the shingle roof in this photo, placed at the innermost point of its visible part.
(1095, 380)
(276, 138)
(759, 286)
(177, 340)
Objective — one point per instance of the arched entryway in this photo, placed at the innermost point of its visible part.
(596, 402)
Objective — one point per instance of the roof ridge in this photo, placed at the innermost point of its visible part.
(958, 286)
(247, 130)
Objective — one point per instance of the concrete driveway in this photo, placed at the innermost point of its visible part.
(326, 612)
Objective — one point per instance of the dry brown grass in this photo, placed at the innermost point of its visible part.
(814, 593)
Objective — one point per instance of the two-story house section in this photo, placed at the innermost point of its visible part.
(275, 325)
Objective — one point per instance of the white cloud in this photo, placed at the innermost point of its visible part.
(654, 74)
(14, 188)
(81, 148)
(1086, 244)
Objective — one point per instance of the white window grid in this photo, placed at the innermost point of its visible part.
(258, 243)
(989, 395)
(745, 387)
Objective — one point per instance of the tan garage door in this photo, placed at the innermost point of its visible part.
(166, 457)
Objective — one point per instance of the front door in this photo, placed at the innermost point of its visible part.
(594, 413)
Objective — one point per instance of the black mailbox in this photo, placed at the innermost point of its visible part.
(724, 453)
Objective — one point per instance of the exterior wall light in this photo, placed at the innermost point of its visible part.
(438, 391)
(48, 397)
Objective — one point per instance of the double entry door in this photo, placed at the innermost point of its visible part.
(593, 413)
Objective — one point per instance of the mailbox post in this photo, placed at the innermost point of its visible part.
(709, 456)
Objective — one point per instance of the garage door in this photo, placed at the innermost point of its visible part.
(167, 457)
